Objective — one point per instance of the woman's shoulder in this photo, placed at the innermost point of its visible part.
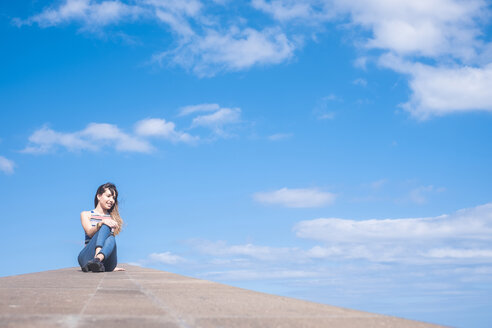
(85, 214)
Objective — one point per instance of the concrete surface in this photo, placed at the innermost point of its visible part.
(141, 297)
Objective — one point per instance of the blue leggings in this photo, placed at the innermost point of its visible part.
(105, 239)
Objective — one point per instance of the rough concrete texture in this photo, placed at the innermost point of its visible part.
(141, 297)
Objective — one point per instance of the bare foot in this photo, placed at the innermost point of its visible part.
(119, 269)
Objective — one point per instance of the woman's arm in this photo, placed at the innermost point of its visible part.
(85, 219)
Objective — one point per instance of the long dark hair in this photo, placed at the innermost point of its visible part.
(113, 211)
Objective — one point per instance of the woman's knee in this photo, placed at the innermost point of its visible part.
(104, 228)
(101, 234)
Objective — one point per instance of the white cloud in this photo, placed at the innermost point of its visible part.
(166, 258)
(90, 13)
(94, 137)
(260, 275)
(6, 165)
(412, 239)
(447, 31)
(217, 120)
(436, 258)
(460, 237)
(361, 62)
(204, 44)
(326, 116)
(360, 81)
(264, 253)
(427, 28)
(438, 91)
(233, 50)
(178, 24)
(102, 133)
(97, 136)
(279, 136)
(323, 109)
(45, 139)
(285, 10)
(419, 195)
(378, 184)
(198, 108)
(156, 127)
(309, 197)
(324, 252)
(182, 7)
(176, 14)
(460, 253)
(472, 223)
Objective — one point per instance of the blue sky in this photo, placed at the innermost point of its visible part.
(332, 151)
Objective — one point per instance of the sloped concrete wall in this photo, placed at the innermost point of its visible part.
(141, 297)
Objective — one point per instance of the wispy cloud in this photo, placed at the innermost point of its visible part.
(326, 116)
(408, 31)
(165, 258)
(360, 81)
(264, 253)
(361, 62)
(176, 14)
(425, 258)
(279, 136)
(98, 136)
(415, 28)
(156, 127)
(439, 91)
(207, 48)
(419, 195)
(89, 13)
(287, 10)
(411, 32)
(253, 274)
(233, 49)
(204, 46)
(445, 34)
(184, 7)
(378, 184)
(454, 253)
(218, 120)
(323, 110)
(198, 108)
(6, 165)
(308, 197)
(458, 235)
(94, 137)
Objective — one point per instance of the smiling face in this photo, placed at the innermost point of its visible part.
(106, 199)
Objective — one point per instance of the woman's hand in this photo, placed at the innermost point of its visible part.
(110, 223)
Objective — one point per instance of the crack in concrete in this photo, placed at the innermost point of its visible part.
(74, 321)
(179, 320)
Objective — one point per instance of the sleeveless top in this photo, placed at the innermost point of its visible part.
(95, 219)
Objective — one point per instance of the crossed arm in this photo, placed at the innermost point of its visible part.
(85, 219)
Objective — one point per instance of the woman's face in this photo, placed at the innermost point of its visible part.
(106, 200)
